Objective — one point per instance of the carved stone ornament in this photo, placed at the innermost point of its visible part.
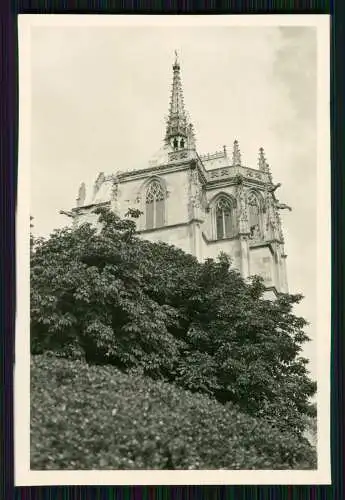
(81, 195)
(203, 200)
(274, 187)
(262, 160)
(115, 190)
(239, 179)
(236, 155)
(99, 181)
(242, 212)
(271, 217)
(255, 233)
(195, 190)
(242, 202)
(283, 206)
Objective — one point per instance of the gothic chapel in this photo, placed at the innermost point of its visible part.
(203, 203)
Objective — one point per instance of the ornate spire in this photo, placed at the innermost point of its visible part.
(236, 155)
(177, 123)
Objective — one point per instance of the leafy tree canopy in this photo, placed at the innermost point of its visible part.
(106, 295)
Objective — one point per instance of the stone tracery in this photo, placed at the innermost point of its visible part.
(155, 198)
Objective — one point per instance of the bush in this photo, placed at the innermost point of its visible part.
(96, 417)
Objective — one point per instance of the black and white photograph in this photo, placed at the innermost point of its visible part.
(173, 237)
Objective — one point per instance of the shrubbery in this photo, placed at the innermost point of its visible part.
(93, 417)
(109, 297)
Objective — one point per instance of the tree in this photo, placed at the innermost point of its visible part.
(106, 295)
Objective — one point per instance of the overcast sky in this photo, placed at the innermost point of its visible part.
(100, 95)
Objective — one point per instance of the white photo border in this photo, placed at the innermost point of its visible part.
(26, 477)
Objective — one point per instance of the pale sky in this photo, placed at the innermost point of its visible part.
(100, 95)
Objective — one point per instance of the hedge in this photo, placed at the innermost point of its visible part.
(96, 417)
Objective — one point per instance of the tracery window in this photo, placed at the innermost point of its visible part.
(254, 216)
(224, 218)
(155, 205)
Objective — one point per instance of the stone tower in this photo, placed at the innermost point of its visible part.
(202, 203)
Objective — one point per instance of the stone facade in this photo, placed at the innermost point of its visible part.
(203, 204)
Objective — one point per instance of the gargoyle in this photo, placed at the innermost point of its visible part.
(274, 187)
(69, 214)
(283, 206)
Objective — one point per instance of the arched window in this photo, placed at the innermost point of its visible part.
(254, 216)
(225, 221)
(155, 200)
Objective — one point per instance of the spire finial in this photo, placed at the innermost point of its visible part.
(177, 122)
(81, 195)
(176, 63)
(236, 155)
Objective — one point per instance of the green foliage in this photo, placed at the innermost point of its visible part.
(111, 298)
(92, 417)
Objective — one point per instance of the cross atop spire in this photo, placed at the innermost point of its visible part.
(177, 123)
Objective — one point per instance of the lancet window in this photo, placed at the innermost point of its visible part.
(225, 220)
(155, 205)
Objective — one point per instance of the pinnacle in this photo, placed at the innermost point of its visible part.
(262, 160)
(236, 154)
(263, 165)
